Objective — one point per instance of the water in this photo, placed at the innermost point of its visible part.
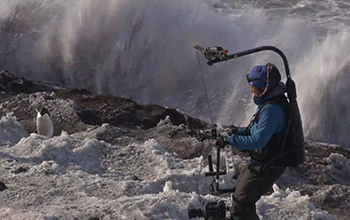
(143, 50)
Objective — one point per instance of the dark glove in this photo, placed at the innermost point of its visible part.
(221, 142)
(234, 129)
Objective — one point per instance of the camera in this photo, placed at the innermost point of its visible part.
(210, 211)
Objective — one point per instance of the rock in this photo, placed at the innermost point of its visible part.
(12, 84)
(20, 169)
(2, 186)
(22, 96)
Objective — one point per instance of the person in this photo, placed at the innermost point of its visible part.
(262, 138)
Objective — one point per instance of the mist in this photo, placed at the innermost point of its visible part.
(143, 50)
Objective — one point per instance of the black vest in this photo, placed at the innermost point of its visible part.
(277, 152)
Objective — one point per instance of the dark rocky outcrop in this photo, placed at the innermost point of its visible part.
(99, 109)
(90, 109)
(12, 85)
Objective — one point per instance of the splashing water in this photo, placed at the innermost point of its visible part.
(143, 50)
(323, 85)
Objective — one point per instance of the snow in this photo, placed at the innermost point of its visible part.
(287, 204)
(10, 130)
(337, 169)
(77, 176)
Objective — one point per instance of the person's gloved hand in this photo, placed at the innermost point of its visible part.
(234, 129)
(221, 142)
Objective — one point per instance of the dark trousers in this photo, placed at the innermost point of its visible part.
(253, 182)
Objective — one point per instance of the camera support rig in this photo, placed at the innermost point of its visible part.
(218, 54)
(213, 210)
(217, 210)
(214, 187)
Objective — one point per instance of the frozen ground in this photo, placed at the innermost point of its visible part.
(77, 176)
(97, 165)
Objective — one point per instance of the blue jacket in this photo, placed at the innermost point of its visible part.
(271, 121)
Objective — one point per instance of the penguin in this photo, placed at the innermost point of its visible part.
(44, 124)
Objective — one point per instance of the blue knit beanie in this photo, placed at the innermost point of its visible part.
(258, 76)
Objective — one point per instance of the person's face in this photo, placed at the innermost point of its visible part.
(255, 91)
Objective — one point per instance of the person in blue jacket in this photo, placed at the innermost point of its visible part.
(262, 138)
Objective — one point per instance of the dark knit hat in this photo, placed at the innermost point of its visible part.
(265, 77)
(258, 77)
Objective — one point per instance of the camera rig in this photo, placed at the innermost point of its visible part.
(213, 53)
(214, 210)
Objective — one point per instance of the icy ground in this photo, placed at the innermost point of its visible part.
(78, 176)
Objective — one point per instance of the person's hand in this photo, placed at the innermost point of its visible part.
(221, 142)
(234, 129)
